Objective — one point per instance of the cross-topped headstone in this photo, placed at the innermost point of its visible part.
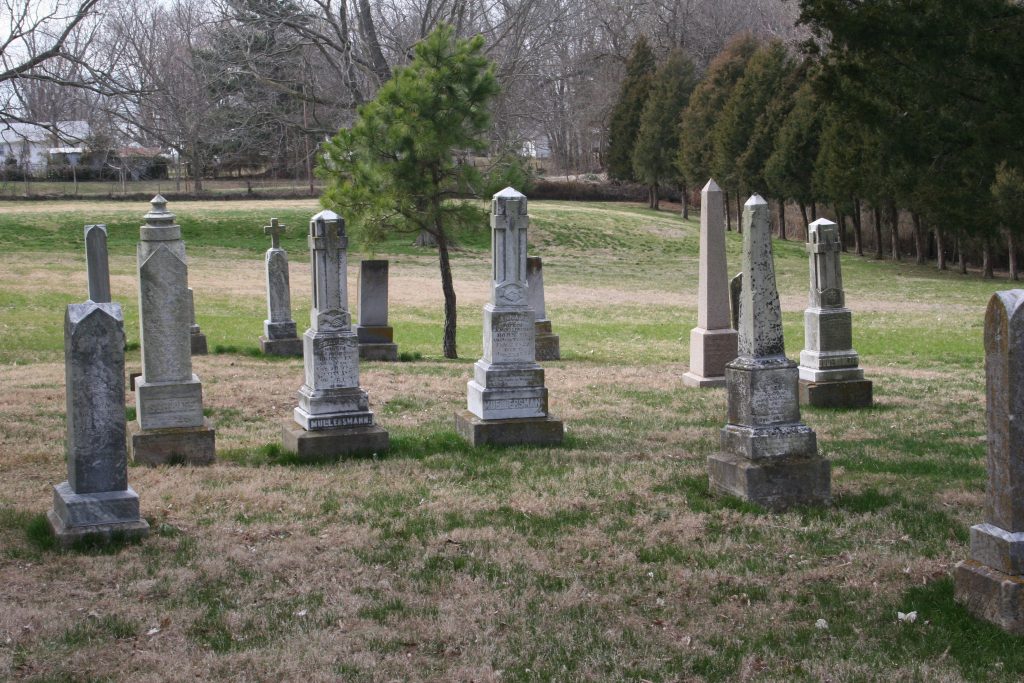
(275, 230)
(280, 337)
(328, 247)
(97, 266)
(823, 248)
(509, 223)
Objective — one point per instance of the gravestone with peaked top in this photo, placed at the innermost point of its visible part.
(506, 399)
(197, 340)
(767, 455)
(95, 502)
(829, 375)
(169, 425)
(376, 336)
(333, 417)
(991, 583)
(713, 341)
(280, 335)
(545, 341)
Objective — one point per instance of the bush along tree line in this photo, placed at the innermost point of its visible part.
(902, 120)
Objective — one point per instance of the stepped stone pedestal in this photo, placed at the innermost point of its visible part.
(546, 342)
(376, 336)
(991, 583)
(829, 372)
(507, 402)
(333, 417)
(767, 455)
(280, 336)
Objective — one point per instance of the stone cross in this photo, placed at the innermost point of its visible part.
(760, 322)
(328, 245)
(823, 249)
(275, 230)
(991, 582)
(97, 266)
(508, 249)
(279, 324)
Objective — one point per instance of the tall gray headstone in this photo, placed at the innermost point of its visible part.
(97, 264)
(991, 583)
(546, 342)
(280, 335)
(95, 501)
(767, 455)
(506, 399)
(333, 417)
(170, 427)
(376, 336)
(829, 372)
(197, 340)
(713, 341)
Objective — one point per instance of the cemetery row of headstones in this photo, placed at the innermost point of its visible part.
(767, 454)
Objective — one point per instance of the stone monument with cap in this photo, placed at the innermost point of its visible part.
(280, 335)
(376, 336)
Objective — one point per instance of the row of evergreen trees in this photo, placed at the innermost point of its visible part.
(911, 116)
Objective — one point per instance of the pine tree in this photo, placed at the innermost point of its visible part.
(625, 119)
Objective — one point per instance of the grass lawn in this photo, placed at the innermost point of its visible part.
(604, 559)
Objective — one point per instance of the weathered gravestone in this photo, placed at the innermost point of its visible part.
(545, 341)
(829, 375)
(280, 335)
(169, 425)
(376, 337)
(333, 417)
(507, 400)
(991, 583)
(197, 340)
(95, 501)
(735, 287)
(713, 341)
(767, 455)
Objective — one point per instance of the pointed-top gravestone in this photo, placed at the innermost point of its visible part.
(713, 341)
(991, 583)
(829, 372)
(767, 455)
(546, 342)
(507, 402)
(280, 334)
(333, 417)
(97, 264)
(169, 425)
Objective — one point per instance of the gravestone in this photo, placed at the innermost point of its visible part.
(376, 337)
(95, 502)
(506, 399)
(735, 287)
(713, 341)
(829, 376)
(97, 263)
(280, 335)
(169, 427)
(545, 341)
(767, 455)
(333, 417)
(991, 583)
(197, 340)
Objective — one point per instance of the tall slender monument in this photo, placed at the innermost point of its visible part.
(169, 425)
(713, 341)
(333, 417)
(506, 399)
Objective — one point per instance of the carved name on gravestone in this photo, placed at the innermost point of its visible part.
(507, 402)
(333, 417)
(991, 583)
(170, 427)
(546, 342)
(713, 341)
(280, 336)
(376, 336)
(767, 455)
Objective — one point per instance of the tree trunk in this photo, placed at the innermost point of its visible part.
(803, 214)
(655, 202)
(814, 211)
(686, 204)
(940, 250)
(878, 232)
(841, 220)
(858, 244)
(961, 258)
(739, 213)
(728, 214)
(894, 230)
(1011, 248)
(450, 313)
(782, 219)
(986, 259)
(919, 255)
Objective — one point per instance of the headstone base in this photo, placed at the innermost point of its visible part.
(198, 340)
(372, 351)
(530, 431)
(774, 484)
(68, 536)
(710, 351)
(546, 343)
(990, 594)
(281, 347)
(172, 446)
(854, 393)
(692, 380)
(96, 516)
(326, 444)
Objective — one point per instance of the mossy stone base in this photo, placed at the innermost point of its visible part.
(172, 446)
(332, 444)
(990, 594)
(526, 431)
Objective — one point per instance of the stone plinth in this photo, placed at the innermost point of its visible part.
(829, 372)
(546, 342)
(95, 502)
(508, 384)
(330, 399)
(768, 456)
(376, 336)
(990, 583)
(280, 335)
(713, 341)
(169, 397)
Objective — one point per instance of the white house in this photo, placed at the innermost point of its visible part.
(31, 144)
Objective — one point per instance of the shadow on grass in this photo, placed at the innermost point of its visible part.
(39, 538)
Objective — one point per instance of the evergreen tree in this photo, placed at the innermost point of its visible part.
(789, 171)
(625, 119)
(1008, 196)
(396, 168)
(654, 154)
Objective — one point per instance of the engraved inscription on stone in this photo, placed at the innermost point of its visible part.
(337, 421)
(336, 366)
